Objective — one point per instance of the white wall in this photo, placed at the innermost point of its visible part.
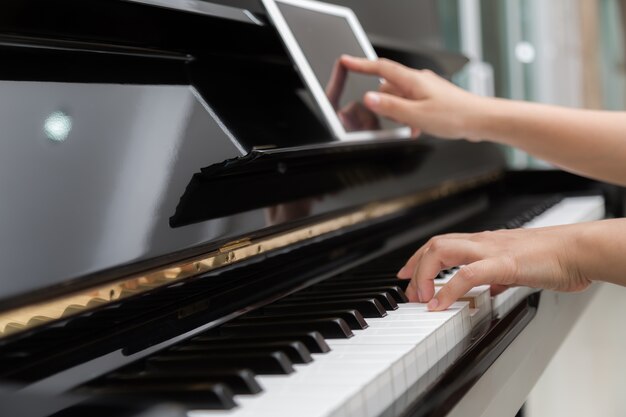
(587, 376)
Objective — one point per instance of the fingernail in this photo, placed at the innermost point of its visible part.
(373, 99)
(434, 303)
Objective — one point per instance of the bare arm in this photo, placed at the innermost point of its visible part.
(591, 143)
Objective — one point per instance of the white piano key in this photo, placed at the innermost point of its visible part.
(381, 340)
(569, 211)
(480, 303)
(431, 351)
(363, 375)
(402, 321)
(355, 405)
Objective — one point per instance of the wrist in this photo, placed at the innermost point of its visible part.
(599, 252)
(480, 119)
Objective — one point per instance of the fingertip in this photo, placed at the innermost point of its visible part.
(412, 294)
(433, 304)
(427, 291)
(372, 99)
(349, 60)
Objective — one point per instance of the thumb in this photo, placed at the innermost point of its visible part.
(393, 107)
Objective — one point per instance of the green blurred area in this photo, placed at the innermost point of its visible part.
(562, 52)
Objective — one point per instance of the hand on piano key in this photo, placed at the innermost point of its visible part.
(535, 256)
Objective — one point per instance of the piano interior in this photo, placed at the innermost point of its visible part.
(182, 235)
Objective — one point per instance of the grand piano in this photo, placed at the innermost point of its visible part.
(181, 236)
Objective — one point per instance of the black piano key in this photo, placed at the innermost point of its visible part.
(273, 363)
(401, 284)
(371, 269)
(393, 290)
(514, 224)
(240, 381)
(383, 298)
(296, 351)
(355, 320)
(206, 396)
(368, 307)
(314, 341)
(331, 328)
(366, 277)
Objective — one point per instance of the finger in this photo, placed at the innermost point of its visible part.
(348, 122)
(415, 132)
(408, 270)
(486, 271)
(345, 121)
(412, 293)
(367, 119)
(399, 109)
(389, 70)
(442, 254)
(335, 85)
(389, 88)
(355, 116)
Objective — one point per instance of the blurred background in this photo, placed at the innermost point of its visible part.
(563, 52)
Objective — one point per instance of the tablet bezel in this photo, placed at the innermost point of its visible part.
(307, 74)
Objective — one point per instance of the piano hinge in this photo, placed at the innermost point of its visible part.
(236, 244)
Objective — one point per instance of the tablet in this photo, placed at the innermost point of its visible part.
(316, 34)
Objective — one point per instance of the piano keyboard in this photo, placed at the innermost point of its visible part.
(348, 346)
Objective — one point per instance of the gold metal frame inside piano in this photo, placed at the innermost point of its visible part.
(25, 318)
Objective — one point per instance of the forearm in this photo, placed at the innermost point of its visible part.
(591, 143)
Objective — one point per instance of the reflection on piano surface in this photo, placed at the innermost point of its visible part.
(193, 248)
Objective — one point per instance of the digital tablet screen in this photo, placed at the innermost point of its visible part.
(323, 38)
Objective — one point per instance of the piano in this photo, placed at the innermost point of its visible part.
(181, 236)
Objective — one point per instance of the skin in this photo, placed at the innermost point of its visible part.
(562, 258)
(353, 116)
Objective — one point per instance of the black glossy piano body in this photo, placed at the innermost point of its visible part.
(163, 173)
